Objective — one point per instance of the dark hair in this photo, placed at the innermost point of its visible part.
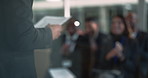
(91, 19)
(125, 32)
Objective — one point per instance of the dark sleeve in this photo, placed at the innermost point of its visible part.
(144, 48)
(146, 44)
(20, 33)
(83, 42)
(107, 46)
(131, 55)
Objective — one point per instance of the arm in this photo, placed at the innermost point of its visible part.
(144, 48)
(106, 49)
(116, 51)
(111, 54)
(19, 29)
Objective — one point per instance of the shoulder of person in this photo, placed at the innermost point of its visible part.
(143, 34)
(132, 42)
(103, 35)
(83, 37)
(107, 39)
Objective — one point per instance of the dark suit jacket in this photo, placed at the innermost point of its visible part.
(142, 38)
(89, 57)
(18, 39)
(100, 43)
(75, 57)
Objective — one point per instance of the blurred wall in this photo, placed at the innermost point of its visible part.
(42, 62)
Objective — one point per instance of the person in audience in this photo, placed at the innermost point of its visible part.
(70, 50)
(96, 39)
(142, 38)
(89, 40)
(120, 52)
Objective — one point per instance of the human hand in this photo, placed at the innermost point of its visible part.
(119, 50)
(118, 47)
(94, 47)
(80, 32)
(56, 31)
(65, 47)
(111, 54)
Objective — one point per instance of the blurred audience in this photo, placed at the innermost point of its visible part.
(92, 54)
(118, 57)
(96, 41)
(89, 37)
(142, 38)
(70, 50)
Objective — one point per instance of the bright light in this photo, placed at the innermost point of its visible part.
(77, 23)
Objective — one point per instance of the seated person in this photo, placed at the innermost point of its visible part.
(120, 52)
(142, 38)
(92, 39)
(70, 50)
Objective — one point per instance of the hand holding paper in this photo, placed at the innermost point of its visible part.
(55, 23)
(56, 31)
(52, 20)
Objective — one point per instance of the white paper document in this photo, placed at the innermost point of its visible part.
(61, 73)
(52, 20)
